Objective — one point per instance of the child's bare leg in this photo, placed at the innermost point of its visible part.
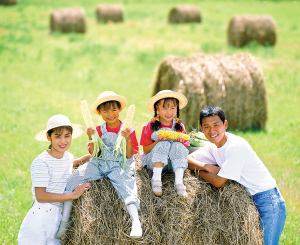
(156, 179)
(136, 229)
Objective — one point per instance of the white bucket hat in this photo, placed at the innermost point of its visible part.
(108, 96)
(167, 94)
(58, 121)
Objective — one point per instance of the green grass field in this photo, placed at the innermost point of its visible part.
(43, 74)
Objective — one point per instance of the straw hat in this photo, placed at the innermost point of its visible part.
(108, 96)
(58, 121)
(167, 94)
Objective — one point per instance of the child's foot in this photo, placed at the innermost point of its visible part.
(63, 227)
(181, 190)
(156, 187)
(136, 230)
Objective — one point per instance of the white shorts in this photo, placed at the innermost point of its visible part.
(40, 225)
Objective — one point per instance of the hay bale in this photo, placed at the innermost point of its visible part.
(234, 83)
(207, 216)
(8, 2)
(245, 29)
(109, 13)
(185, 14)
(68, 20)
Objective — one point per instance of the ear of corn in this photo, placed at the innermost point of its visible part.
(172, 134)
(86, 114)
(129, 118)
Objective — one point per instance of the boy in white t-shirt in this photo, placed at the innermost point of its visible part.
(231, 157)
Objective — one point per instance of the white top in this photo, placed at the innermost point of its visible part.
(238, 162)
(52, 173)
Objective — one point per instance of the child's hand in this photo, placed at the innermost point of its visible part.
(80, 189)
(126, 134)
(85, 158)
(180, 139)
(90, 132)
(160, 137)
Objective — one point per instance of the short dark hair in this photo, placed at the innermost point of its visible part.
(108, 104)
(212, 111)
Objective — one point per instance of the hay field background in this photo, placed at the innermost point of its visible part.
(42, 75)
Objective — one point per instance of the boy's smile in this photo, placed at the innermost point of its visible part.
(111, 116)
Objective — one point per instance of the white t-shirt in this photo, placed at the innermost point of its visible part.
(238, 162)
(52, 173)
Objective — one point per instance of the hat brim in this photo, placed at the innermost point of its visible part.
(98, 102)
(78, 130)
(169, 94)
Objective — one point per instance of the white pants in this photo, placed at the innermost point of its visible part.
(40, 225)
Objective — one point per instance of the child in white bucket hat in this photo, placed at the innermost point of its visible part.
(108, 105)
(161, 153)
(49, 173)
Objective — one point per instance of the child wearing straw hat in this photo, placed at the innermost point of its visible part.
(49, 173)
(161, 153)
(109, 105)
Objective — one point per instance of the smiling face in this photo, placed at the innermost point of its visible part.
(60, 142)
(166, 110)
(111, 115)
(214, 130)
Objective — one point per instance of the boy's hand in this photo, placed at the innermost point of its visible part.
(80, 189)
(85, 158)
(126, 134)
(90, 132)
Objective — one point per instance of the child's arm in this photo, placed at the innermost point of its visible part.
(126, 134)
(81, 160)
(43, 196)
(148, 148)
(90, 132)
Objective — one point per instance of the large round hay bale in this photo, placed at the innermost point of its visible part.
(185, 14)
(68, 20)
(247, 28)
(207, 216)
(8, 2)
(234, 83)
(109, 13)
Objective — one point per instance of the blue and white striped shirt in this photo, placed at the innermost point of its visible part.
(52, 173)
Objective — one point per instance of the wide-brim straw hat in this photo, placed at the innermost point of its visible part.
(58, 121)
(167, 94)
(108, 96)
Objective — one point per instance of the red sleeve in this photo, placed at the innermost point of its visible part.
(98, 128)
(146, 135)
(134, 142)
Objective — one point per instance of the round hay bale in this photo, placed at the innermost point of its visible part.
(234, 83)
(207, 216)
(245, 29)
(109, 13)
(68, 20)
(185, 14)
(8, 2)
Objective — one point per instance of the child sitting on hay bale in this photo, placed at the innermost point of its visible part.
(158, 149)
(108, 105)
(237, 161)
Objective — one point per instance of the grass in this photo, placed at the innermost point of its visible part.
(43, 74)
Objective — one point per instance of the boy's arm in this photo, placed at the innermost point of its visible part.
(81, 160)
(126, 134)
(43, 196)
(214, 179)
(197, 165)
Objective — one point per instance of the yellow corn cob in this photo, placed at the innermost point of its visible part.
(173, 135)
(129, 118)
(87, 115)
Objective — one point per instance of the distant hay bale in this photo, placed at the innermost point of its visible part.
(68, 20)
(234, 83)
(8, 2)
(185, 14)
(246, 28)
(109, 13)
(207, 216)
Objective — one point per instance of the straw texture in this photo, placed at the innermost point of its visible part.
(184, 14)
(109, 13)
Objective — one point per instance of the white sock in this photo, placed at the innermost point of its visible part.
(67, 210)
(179, 176)
(133, 212)
(157, 173)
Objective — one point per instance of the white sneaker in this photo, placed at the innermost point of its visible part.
(63, 227)
(181, 190)
(156, 187)
(136, 230)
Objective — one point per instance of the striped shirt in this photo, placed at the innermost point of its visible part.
(52, 173)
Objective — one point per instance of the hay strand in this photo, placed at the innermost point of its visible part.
(247, 28)
(68, 20)
(234, 83)
(184, 14)
(207, 216)
(109, 13)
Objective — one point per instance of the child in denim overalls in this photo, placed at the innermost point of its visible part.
(160, 153)
(108, 106)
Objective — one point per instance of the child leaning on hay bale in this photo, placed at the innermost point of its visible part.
(109, 105)
(160, 152)
(237, 161)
